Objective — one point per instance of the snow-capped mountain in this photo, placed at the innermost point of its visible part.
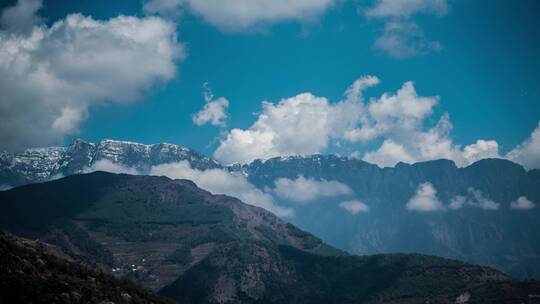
(41, 164)
(485, 213)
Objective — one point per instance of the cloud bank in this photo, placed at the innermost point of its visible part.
(238, 15)
(303, 124)
(474, 198)
(304, 190)
(425, 199)
(108, 166)
(51, 76)
(219, 181)
(308, 124)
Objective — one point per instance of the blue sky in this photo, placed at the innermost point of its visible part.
(481, 59)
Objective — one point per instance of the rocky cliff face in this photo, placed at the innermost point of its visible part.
(196, 247)
(504, 237)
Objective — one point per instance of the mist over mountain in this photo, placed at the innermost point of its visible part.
(485, 213)
(195, 247)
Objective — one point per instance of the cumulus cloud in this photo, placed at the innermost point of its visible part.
(474, 198)
(214, 111)
(528, 153)
(425, 199)
(307, 124)
(354, 206)
(303, 190)
(401, 36)
(22, 17)
(522, 203)
(51, 76)
(389, 154)
(401, 119)
(481, 149)
(109, 166)
(219, 181)
(303, 124)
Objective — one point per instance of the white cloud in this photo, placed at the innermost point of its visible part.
(108, 166)
(480, 150)
(457, 202)
(240, 15)
(528, 153)
(400, 119)
(305, 190)
(220, 181)
(214, 111)
(50, 76)
(475, 198)
(406, 8)
(425, 199)
(401, 40)
(168, 8)
(522, 203)
(235, 15)
(307, 124)
(402, 37)
(303, 124)
(354, 206)
(21, 17)
(480, 201)
(389, 154)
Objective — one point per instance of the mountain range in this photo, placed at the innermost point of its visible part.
(475, 219)
(195, 247)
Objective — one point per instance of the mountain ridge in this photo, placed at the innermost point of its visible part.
(53, 162)
(502, 237)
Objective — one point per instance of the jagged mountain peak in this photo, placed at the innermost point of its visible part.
(41, 164)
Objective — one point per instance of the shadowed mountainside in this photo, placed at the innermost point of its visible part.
(32, 272)
(196, 247)
(504, 238)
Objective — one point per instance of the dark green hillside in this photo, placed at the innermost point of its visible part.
(150, 229)
(195, 247)
(29, 273)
